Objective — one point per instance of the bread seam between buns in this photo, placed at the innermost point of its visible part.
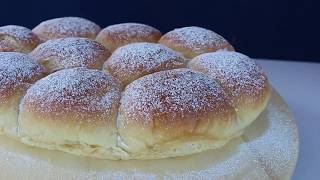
(118, 136)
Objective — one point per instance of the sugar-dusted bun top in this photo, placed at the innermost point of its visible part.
(118, 35)
(242, 78)
(77, 94)
(17, 39)
(173, 104)
(135, 60)
(169, 96)
(64, 53)
(17, 70)
(66, 27)
(192, 41)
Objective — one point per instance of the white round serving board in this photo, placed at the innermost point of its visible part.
(267, 150)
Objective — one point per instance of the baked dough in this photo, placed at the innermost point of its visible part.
(118, 35)
(17, 72)
(135, 60)
(66, 27)
(73, 110)
(17, 39)
(193, 41)
(65, 53)
(147, 100)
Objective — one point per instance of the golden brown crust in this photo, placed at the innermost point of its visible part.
(135, 60)
(192, 41)
(118, 35)
(66, 27)
(65, 53)
(17, 39)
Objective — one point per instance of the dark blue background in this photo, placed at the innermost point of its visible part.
(284, 29)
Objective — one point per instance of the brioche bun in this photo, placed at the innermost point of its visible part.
(118, 35)
(135, 60)
(243, 80)
(175, 113)
(73, 110)
(17, 73)
(193, 41)
(17, 39)
(66, 27)
(65, 53)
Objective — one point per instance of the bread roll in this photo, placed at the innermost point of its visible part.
(149, 101)
(118, 35)
(72, 110)
(193, 41)
(66, 27)
(17, 73)
(64, 53)
(243, 80)
(135, 60)
(175, 113)
(17, 39)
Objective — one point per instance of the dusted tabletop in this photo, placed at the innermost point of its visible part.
(299, 84)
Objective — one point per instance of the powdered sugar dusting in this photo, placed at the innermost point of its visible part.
(16, 69)
(80, 94)
(273, 136)
(71, 52)
(176, 93)
(139, 59)
(236, 72)
(195, 38)
(126, 31)
(17, 39)
(67, 27)
(18, 32)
